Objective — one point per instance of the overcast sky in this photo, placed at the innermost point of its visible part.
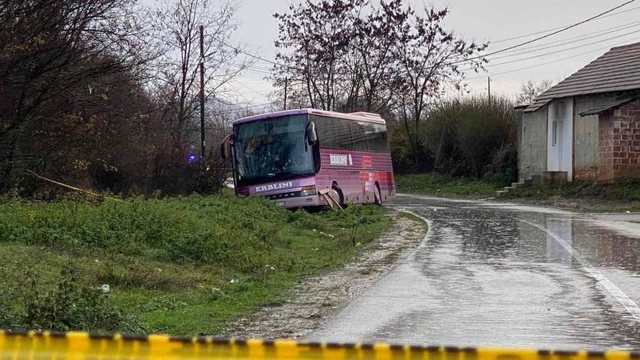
(495, 21)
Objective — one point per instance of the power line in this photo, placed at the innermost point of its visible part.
(563, 50)
(250, 89)
(546, 63)
(250, 68)
(558, 30)
(559, 27)
(257, 57)
(505, 84)
(258, 70)
(240, 108)
(572, 40)
(543, 36)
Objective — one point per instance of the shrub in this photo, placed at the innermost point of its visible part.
(504, 165)
(181, 265)
(68, 306)
(400, 148)
(472, 138)
(201, 230)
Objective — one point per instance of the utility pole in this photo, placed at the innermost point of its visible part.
(286, 87)
(202, 141)
(489, 88)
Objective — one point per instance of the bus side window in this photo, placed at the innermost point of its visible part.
(369, 137)
(360, 136)
(381, 144)
(332, 133)
(341, 134)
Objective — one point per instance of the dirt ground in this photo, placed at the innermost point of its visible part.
(316, 299)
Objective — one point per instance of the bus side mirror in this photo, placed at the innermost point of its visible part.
(311, 134)
(225, 147)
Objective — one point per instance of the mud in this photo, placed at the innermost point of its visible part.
(315, 299)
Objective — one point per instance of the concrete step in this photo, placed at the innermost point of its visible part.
(521, 184)
(500, 193)
(536, 179)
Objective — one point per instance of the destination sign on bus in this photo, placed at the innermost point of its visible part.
(340, 160)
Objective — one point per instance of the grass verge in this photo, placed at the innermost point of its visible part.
(586, 195)
(435, 184)
(182, 266)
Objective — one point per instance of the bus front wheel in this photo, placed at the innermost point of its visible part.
(338, 191)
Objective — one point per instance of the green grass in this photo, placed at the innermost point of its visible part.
(624, 189)
(182, 266)
(624, 192)
(435, 184)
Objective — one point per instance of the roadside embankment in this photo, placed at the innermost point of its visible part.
(442, 185)
(183, 266)
(316, 299)
(587, 196)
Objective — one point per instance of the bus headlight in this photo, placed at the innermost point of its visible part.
(308, 190)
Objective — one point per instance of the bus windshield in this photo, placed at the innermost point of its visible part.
(272, 149)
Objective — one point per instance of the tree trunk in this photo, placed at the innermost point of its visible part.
(6, 182)
(413, 142)
(438, 154)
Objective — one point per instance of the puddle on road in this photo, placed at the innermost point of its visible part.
(497, 276)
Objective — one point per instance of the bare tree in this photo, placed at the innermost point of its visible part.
(531, 89)
(314, 39)
(48, 48)
(176, 30)
(380, 32)
(429, 58)
(339, 54)
(350, 55)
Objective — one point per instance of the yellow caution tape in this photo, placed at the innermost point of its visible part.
(78, 345)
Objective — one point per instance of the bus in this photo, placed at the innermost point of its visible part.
(308, 157)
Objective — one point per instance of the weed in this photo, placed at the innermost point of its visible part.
(436, 184)
(626, 189)
(68, 306)
(181, 265)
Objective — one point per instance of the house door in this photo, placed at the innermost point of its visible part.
(560, 136)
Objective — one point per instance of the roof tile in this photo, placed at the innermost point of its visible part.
(617, 70)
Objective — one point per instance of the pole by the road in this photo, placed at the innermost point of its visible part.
(286, 88)
(202, 141)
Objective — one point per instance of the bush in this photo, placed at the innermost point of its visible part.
(173, 174)
(201, 230)
(446, 185)
(400, 146)
(68, 306)
(473, 138)
(180, 265)
(504, 165)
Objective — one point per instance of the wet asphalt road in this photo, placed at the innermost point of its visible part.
(494, 274)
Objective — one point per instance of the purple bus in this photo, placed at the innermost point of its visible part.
(300, 157)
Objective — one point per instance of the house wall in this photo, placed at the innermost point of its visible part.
(586, 139)
(605, 147)
(532, 147)
(620, 143)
